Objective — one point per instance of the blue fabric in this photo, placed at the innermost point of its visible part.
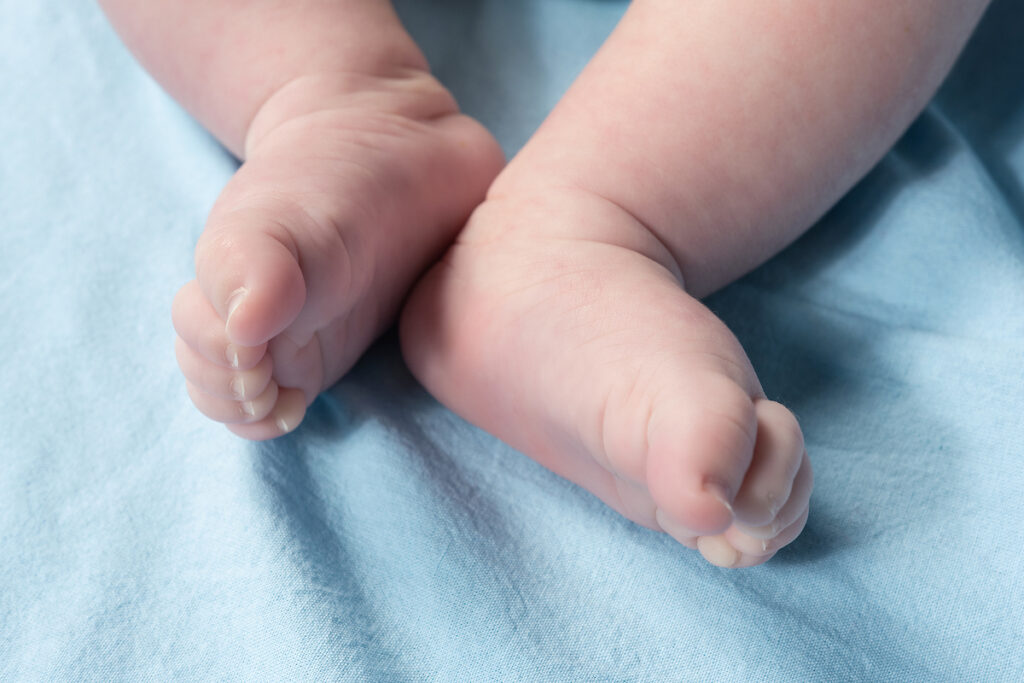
(389, 540)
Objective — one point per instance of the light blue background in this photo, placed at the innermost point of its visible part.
(389, 540)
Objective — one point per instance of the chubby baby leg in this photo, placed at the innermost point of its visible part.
(358, 171)
(701, 139)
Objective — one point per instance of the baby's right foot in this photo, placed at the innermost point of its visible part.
(557, 323)
(351, 186)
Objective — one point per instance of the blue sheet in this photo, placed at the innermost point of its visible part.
(389, 540)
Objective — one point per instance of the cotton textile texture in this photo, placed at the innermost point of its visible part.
(388, 540)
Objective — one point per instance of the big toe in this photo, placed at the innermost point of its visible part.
(248, 269)
(700, 449)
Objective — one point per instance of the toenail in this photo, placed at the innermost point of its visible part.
(235, 300)
(717, 551)
(249, 409)
(283, 425)
(719, 492)
(238, 388)
(232, 354)
(766, 532)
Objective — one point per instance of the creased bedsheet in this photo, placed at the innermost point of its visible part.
(389, 540)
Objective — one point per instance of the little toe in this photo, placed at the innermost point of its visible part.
(230, 411)
(719, 551)
(778, 453)
(221, 382)
(199, 326)
(287, 413)
(722, 551)
(248, 270)
(752, 560)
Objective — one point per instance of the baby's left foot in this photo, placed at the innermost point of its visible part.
(557, 323)
(352, 185)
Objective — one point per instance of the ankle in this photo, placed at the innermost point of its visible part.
(570, 212)
(408, 91)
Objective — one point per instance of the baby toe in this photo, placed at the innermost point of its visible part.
(199, 326)
(729, 552)
(219, 381)
(796, 505)
(231, 411)
(284, 417)
(687, 537)
(249, 273)
(752, 546)
(719, 551)
(778, 453)
(700, 449)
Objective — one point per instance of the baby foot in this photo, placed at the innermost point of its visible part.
(558, 324)
(351, 186)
